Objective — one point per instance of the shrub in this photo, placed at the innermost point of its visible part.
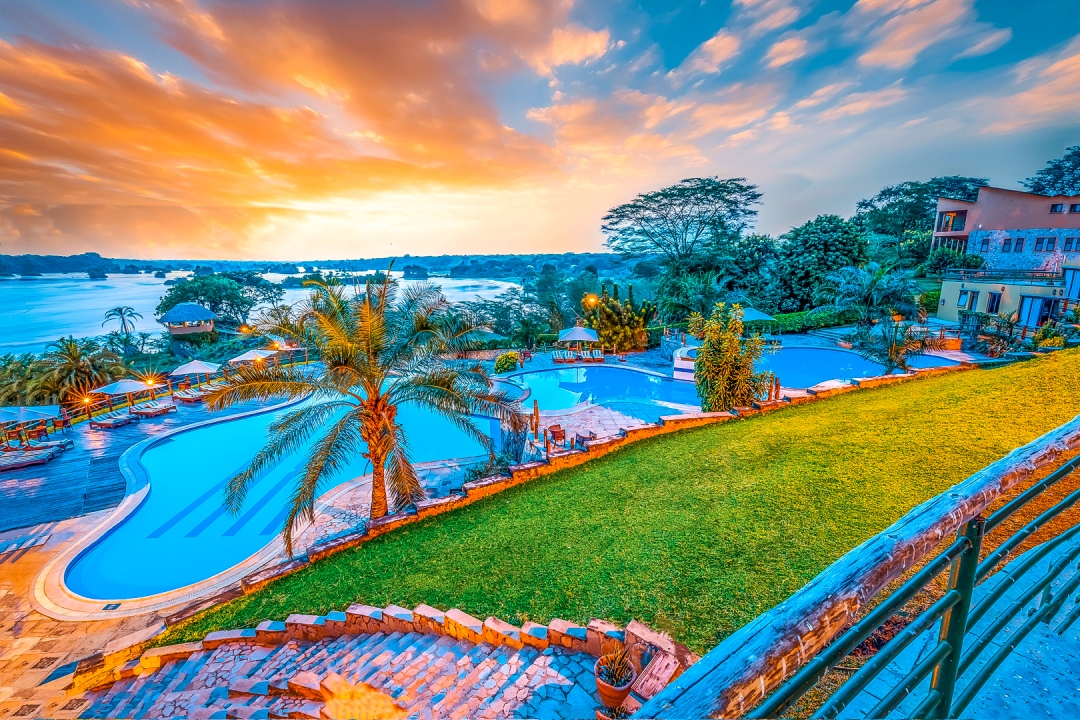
(506, 362)
(798, 322)
(943, 258)
(724, 370)
(930, 300)
(1052, 343)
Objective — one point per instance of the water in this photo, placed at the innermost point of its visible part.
(38, 311)
(631, 392)
(182, 535)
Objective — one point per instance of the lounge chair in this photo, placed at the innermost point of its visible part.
(188, 396)
(557, 434)
(14, 461)
(580, 439)
(153, 408)
(61, 445)
(557, 356)
(597, 356)
(114, 419)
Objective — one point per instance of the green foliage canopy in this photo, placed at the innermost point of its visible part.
(813, 250)
(724, 369)
(1059, 177)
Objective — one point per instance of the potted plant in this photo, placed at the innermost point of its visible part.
(618, 713)
(614, 675)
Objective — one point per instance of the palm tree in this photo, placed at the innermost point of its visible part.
(527, 331)
(379, 348)
(893, 345)
(69, 367)
(872, 292)
(126, 315)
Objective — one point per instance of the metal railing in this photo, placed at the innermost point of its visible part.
(1042, 277)
(805, 638)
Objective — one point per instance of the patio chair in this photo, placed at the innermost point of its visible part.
(14, 461)
(114, 419)
(557, 434)
(13, 436)
(526, 355)
(580, 439)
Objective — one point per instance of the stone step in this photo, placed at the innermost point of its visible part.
(487, 692)
(426, 668)
(383, 678)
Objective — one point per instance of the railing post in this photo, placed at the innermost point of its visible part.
(954, 622)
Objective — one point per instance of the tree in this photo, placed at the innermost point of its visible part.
(224, 297)
(125, 315)
(724, 369)
(813, 250)
(257, 288)
(683, 220)
(894, 345)
(906, 212)
(69, 368)
(379, 348)
(527, 331)
(1059, 177)
(870, 293)
(944, 258)
(684, 293)
(753, 267)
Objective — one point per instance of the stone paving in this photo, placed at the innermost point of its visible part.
(425, 676)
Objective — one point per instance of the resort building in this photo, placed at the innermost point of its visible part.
(1031, 247)
(1012, 230)
(187, 319)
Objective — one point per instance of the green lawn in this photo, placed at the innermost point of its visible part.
(698, 532)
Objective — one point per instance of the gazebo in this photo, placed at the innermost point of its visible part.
(188, 318)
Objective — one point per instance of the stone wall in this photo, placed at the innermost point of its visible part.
(1028, 259)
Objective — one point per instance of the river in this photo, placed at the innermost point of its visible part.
(37, 311)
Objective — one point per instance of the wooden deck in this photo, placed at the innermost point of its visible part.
(87, 478)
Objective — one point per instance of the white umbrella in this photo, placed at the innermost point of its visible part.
(253, 356)
(196, 367)
(125, 387)
(23, 414)
(578, 334)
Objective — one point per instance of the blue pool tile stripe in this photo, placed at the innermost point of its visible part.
(190, 508)
(261, 502)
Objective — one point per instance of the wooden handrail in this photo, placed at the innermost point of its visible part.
(739, 672)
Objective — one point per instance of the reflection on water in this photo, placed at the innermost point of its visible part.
(38, 311)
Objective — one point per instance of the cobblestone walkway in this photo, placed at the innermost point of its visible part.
(426, 676)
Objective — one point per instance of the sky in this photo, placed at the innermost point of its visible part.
(299, 129)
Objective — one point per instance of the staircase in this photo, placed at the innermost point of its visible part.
(404, 664)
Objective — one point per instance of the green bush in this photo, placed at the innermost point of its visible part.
(506, 362)
(798, 322)
(943, 258)
(1052, 343)
(930, 300)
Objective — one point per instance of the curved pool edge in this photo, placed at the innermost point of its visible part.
(51, 595)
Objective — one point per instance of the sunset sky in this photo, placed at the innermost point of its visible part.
(318, 129)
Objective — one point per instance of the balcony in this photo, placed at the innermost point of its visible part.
(1009, 277)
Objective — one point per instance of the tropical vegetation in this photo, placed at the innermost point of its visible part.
(724, 369)
(619, 324)
(380, 346)
(868, 293)
(893, 345)
(691, 533)
(64, 373)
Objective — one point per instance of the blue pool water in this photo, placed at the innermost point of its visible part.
(646, 396)
(181, 534)
(635, 393)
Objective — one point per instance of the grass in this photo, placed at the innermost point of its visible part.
(694, 533)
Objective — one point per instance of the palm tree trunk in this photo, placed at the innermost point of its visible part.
(378, 487)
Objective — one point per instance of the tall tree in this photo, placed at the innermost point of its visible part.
(872, 293)
(380, 348)
(125, 316)
(224, 297)
(71, 367)
(906, 212)
(1059, 177)
(813, 250)
(683, 220)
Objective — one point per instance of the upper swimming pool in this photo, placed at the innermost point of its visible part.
(181, 534)
(806, 367)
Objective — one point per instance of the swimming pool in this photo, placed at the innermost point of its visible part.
(181, 534)
(639, 394)
(803, 367)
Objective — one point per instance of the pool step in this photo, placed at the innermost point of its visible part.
(426, 664)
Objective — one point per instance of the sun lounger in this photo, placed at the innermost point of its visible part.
(153, 408)
(14, 461)
(116, 418)
(188, 396)
(60, 445)
(596, 356)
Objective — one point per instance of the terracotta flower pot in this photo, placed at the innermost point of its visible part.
(610, 695)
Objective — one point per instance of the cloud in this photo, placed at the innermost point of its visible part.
(787, 50)
(763, 16)
(989, 42)
(709, 57)
(901, 30)
(1046, 90)
(863, 102)
(571, 45)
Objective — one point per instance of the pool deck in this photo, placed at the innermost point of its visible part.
(87, 478)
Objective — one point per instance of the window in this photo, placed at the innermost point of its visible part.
(1019, 246)
(1006, 246)
(1051, 244)
(985, 246)
(1056, 208)
(1074, 208)
(1039, 242)
(1072, 244)
(962, 300)
(952, 221)
(993, 303)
